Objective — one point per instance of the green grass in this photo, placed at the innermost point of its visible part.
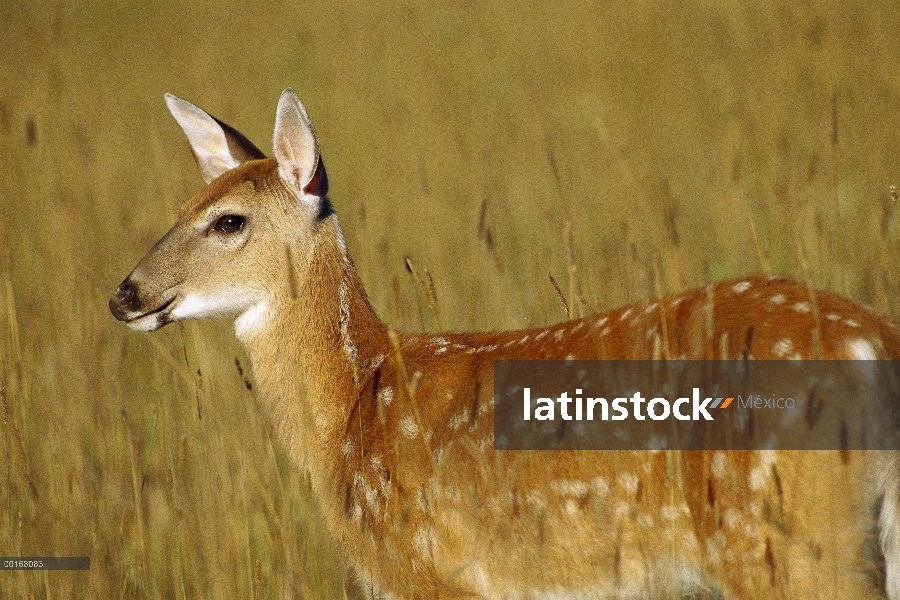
(467, 137)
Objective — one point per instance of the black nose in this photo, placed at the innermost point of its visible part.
(125, 293)
(123, 300)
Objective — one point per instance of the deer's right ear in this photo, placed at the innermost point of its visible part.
(297, 150)
(216, 146)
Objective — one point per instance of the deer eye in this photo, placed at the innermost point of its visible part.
(229, 224)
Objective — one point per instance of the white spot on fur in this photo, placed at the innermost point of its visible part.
(508, 344)
(601, 322)
(387, 395)
(377, 463)
(851, 323)
(376, 362)
(669, 512)
(569, 487)
(605, 331)
(651, 308)
(802, 307)
(523, 340)
(440, 341)
(457, 420)
(713, 551)
(320, 421)
(645, 521)
(778, 299)
(536, 500)
(718, 465)
(385, 490)
(558, 335)
(624, 510)
(409, 427)
(833, 318)
(861, 349)
(349, 346)
(759, 474)
(757, 479)
(484, 443)
(372, 499)
(629, 482)
(689, 541)
(677, 301)
(750, 530)
(741, 287)
(485, 406)
(441, 350)
(626, 314)
(782, 347)
(541, 335)
(601, 486)
(347, 448)
(578, 326)
(732, 518)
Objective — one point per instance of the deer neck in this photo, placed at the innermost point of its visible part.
(310, 348)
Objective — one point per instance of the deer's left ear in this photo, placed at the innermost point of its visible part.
(296, 149)
(217, 147)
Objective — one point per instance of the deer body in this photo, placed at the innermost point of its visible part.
(397, 432)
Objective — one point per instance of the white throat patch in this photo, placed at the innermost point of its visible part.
(251, 320)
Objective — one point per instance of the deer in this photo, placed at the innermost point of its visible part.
(396, 430)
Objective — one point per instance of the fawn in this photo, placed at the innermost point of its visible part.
(396, 430)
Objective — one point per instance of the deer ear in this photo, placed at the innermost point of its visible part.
(296, 149)
(217, 147)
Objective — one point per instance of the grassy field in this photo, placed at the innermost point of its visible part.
(628, 151)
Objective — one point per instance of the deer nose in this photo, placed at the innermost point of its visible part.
(123, 300)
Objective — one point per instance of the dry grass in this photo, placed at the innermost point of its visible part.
(639, 149)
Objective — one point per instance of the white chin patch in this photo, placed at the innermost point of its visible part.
(198, 307)
(146, 323)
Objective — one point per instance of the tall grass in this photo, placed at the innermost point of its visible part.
(642, 148)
